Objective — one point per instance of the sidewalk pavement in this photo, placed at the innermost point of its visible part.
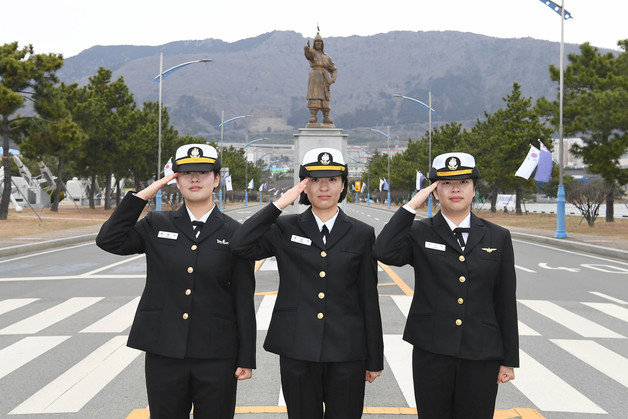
(598, 245)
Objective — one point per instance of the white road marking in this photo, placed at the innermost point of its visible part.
(14, 303)
(64, 277)
(47, 251)
(569, 251)
(566, 318)
(46, 318)
(548, 391)
(269, 265)
(608, 297)
(265, 311)
(104, 268)
(69, 392)
(22, 352)
(399, 356)
(281, 401)
(610, 269)
(602, 359)
(525, 269)
(558, 268)
(115, 322)
(611, 309)
(403, 303)
(525, 330)
(377, 219)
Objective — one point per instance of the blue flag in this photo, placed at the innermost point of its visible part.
(544, 167)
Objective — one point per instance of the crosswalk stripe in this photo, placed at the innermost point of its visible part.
(112, 265)
(22, 352)
(269, 265)
(46, 318)
(115, 322)
(575, 322)
(69, 392)
(265, 311)
(14, 303)
(611, 309)
(525, 330)
(608, 297)
(548, 391)
(403, 302)
(399, 356)
(602, 359)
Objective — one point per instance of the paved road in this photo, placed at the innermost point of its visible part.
(65, 314)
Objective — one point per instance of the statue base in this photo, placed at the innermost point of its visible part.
(319, 125)
(320, 135)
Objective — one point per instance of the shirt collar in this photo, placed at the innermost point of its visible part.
(466, 223)
(203, 218)
(329, 223)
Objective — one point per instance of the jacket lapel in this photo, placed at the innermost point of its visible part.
(442, 229)
(478, 230)
(307, 223)
(214, 222)
(181, 220)
(340, 229)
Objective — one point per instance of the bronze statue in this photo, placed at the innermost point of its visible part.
(322, 74)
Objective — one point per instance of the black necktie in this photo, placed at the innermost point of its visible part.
(458, 233)
(324, 233)
(197, 226)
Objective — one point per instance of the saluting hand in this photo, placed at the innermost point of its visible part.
(243, 373)
(372, 375)
(151, 190)
(292, 194)
(420, 197)
(505, 374)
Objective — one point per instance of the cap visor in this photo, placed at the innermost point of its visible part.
(325, 173)
(196, 167)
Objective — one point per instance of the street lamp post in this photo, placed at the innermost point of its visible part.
(368, 183)
(222, 126)
(430, 110)
(388, 153)
(246, 171)
(162, 74)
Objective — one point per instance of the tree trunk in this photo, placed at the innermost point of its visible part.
(610, 201)
(118, 193)
(92, 192)
(55, 203)
(137, 181)
(108, 190)
(518, 194)
(494, 200)
(6, 192)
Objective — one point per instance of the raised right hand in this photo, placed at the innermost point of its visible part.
(151, 190)
(292, 194)
(420, 197)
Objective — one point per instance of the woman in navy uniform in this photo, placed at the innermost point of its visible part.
(463, 317)
(196, 317)
(326, 324)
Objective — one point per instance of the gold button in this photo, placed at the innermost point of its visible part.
(322, 274)
(458, 322)
(460, 301)
(321, 295)
(194, 247)
(319, 315)
(188, 291)
(462, 279)
(185, 316)
(190, 270)
(324, 254)
(461, 258)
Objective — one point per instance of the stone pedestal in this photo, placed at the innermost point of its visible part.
(309, 138)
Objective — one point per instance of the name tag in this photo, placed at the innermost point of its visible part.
(435, 246)
(302, 240)
(167, 235)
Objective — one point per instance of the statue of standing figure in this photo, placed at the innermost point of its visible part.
(322, 75)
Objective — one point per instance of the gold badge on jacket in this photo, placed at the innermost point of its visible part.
(489, 249)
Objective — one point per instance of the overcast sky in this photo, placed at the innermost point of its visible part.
(70, 26)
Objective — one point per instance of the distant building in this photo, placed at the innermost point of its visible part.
(569, 160)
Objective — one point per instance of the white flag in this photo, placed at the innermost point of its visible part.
(529, 164)
(251, 184)
(168, 171)
(419, 180)
(381, 183)
(228, 184)
(363, 187)
(261, 187)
